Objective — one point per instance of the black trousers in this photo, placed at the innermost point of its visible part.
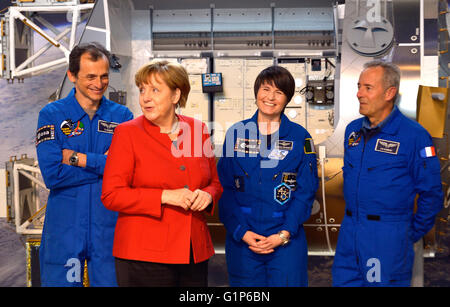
(132, 273)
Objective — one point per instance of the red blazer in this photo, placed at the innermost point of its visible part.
(141, 163)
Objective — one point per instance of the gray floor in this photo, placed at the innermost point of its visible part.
(13, 264)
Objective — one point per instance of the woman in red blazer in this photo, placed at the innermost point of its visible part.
(161, 177)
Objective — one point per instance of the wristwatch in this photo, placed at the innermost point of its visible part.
(73, 160)
(284, 238)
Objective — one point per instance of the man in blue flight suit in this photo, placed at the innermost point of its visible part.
(72, 141)
(269, 181)
(388, 160)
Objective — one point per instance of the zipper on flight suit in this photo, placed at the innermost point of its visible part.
(240, 166)
(89, 241)
(359, 177)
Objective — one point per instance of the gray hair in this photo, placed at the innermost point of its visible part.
(391, 74)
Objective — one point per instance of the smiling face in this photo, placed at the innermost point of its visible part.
(270, 101)
(158, 101)
(375, 101)
(91, 81)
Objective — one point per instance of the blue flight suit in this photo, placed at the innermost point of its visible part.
(77, 226)
(384, 169)
(269, 186)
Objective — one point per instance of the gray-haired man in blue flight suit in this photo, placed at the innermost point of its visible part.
(388, 160)
(72, 141)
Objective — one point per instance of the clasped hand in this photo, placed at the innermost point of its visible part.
(260, 244)
(196, 200)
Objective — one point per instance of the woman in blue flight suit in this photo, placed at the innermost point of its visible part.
(269, 174)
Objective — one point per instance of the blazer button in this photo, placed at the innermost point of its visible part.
(186, 186)
(182, 167)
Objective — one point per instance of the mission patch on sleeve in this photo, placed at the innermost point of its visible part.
(45, 133)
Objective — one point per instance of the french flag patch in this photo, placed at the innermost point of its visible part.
(428, 152)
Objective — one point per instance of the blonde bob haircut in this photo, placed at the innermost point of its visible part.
(173, 74)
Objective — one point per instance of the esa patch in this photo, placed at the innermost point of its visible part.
(45, 133)
(385, 146)
(106, 127)
(247, 145)
(290, 179)
(282, 193)
(309, 146)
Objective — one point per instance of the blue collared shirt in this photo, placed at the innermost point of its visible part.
(369, 131)
(366, 122)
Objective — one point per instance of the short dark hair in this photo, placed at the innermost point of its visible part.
(95, 51)
(278, 76)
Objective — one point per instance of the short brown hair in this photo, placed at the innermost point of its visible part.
(173, 74)
(278, 76)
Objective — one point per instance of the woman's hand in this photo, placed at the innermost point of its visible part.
(201, 200)
(263, 245)
(270, 243)
(253, 241)
(180, 197)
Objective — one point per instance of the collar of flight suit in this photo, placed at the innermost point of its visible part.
(283, 131)
(76, 112)
(390, 125)
(285, 124)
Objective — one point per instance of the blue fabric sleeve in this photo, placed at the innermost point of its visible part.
(300, 207)
(95, 162)
(49, 152)
(428, 186)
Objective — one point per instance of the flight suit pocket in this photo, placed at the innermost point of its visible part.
(60, 230)
(384, 181)
(350, 180)
(402, 266)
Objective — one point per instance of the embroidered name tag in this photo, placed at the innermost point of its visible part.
(247, 145)
(284, 145)
(106, 127)
(385, 146)
(45, 133)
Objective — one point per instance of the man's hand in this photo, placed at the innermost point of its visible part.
(66, 153)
